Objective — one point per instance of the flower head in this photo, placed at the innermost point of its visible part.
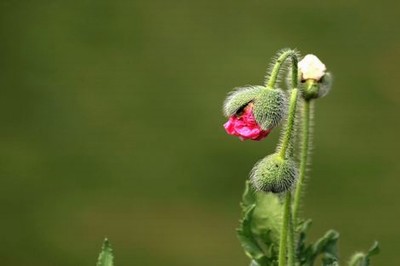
(311, 68)
(244, 125)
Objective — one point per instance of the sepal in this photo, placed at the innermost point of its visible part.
(270, 108)
(239, 98)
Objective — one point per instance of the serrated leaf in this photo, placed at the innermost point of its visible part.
(361, 259)
(267, 217)
(357, 259)
(374, 249)
(329, 260)
(246, 238)
(325, 246)
(105, 257)
(248, 197)
(254, 263)
(302, 250)
(259, 229)
(327, 243)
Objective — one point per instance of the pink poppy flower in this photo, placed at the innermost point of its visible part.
(244, 125)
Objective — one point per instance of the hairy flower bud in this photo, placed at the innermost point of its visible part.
(239, 98)
(244, 125)
(270, 108)
(274, 174)
(254, 111)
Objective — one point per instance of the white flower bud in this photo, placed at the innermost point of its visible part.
(311, 68)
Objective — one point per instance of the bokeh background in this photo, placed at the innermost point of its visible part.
(111, 125)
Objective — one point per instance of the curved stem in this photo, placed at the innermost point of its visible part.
(277, 66)
(287, 232)
(284, 232)
(304, 154)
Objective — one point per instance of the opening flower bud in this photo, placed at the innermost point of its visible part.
(244, 125)
(239, 98)
(315, 81)
(310, 67)
(274, 174)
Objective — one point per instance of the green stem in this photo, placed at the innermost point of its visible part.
(290, 124)
(287, 232)
(304, 154)
(291, 242)
(284, 232)
(287, 243)
(270, 83)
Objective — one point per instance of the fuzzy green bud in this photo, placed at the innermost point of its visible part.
(312, 89)
(239, 98)
(270, 108)
(274, 174)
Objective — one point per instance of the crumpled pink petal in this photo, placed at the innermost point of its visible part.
(245, 126)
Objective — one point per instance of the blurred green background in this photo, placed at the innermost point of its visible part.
(111, 125)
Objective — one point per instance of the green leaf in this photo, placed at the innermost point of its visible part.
(357, 259)
(374, 249)
(325, 246)
(329, 260)
(361, 259)
(267, 217)
(106, 257)
(302, 248)
(327, 243)
(246, 238)
(249, 197)
(254, 263)
(260, 226)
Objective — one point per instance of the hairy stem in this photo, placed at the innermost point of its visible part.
(291, 242)
(287, 138)
(304, 154)
(284, 232)
(286, 247)
(278, 64)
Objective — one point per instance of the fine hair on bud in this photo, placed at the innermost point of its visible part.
(239, 98)
(270, 108)
(325, 85)
(274, 174)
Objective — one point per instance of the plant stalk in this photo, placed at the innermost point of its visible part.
(284, 233)
(270, 83)
(287, 232)
(304, 157)
(287, 138)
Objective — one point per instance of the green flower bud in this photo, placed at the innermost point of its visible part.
(274, 174)
(270, 108)
(239, 98)
(313, 89)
